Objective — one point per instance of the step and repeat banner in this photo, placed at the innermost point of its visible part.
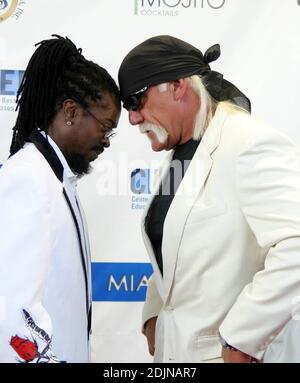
(260, 44)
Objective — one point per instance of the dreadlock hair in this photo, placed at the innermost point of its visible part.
(56, 71)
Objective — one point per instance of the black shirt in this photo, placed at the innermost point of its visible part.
(158, 210)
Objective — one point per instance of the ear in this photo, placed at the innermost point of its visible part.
(179, 88)
(71, 109)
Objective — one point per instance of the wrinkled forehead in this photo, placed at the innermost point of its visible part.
(158, 60)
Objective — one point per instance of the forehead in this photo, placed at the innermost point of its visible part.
(108, 107)
(108, 101)
(155, 94)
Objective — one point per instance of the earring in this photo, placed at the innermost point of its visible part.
(69, 123)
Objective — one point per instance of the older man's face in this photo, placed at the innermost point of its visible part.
(157, 117)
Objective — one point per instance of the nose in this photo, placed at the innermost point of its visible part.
(135, 117)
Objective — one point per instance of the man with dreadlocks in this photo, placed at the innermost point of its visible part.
(68, 108)
(223, 228)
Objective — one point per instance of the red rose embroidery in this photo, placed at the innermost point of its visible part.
(26, 349)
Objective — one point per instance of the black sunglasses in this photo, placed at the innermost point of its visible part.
(133, 102)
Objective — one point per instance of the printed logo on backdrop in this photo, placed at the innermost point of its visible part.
(173, 7)
(142, 181)
(11, 9)
(10, 81)
(120, 282)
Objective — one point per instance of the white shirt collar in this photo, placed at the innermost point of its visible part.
(67, 170)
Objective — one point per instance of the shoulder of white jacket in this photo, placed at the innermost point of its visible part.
(28, 162)
(27, 157)
(244, 128)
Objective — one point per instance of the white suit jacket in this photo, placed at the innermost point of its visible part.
(231, 248)
(44, 291)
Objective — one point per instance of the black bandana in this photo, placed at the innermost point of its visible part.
(165, 58)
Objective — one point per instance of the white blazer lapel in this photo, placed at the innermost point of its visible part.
(83, 236)
(186, 195)
(86, 244)
(161, 174)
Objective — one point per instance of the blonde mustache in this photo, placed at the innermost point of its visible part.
(160, 132)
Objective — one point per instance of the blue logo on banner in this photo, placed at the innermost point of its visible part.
(3, 4)
(141, 181)
(120, 282)
(10, 80)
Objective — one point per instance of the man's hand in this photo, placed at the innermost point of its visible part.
(232, 356)
(150, 334)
